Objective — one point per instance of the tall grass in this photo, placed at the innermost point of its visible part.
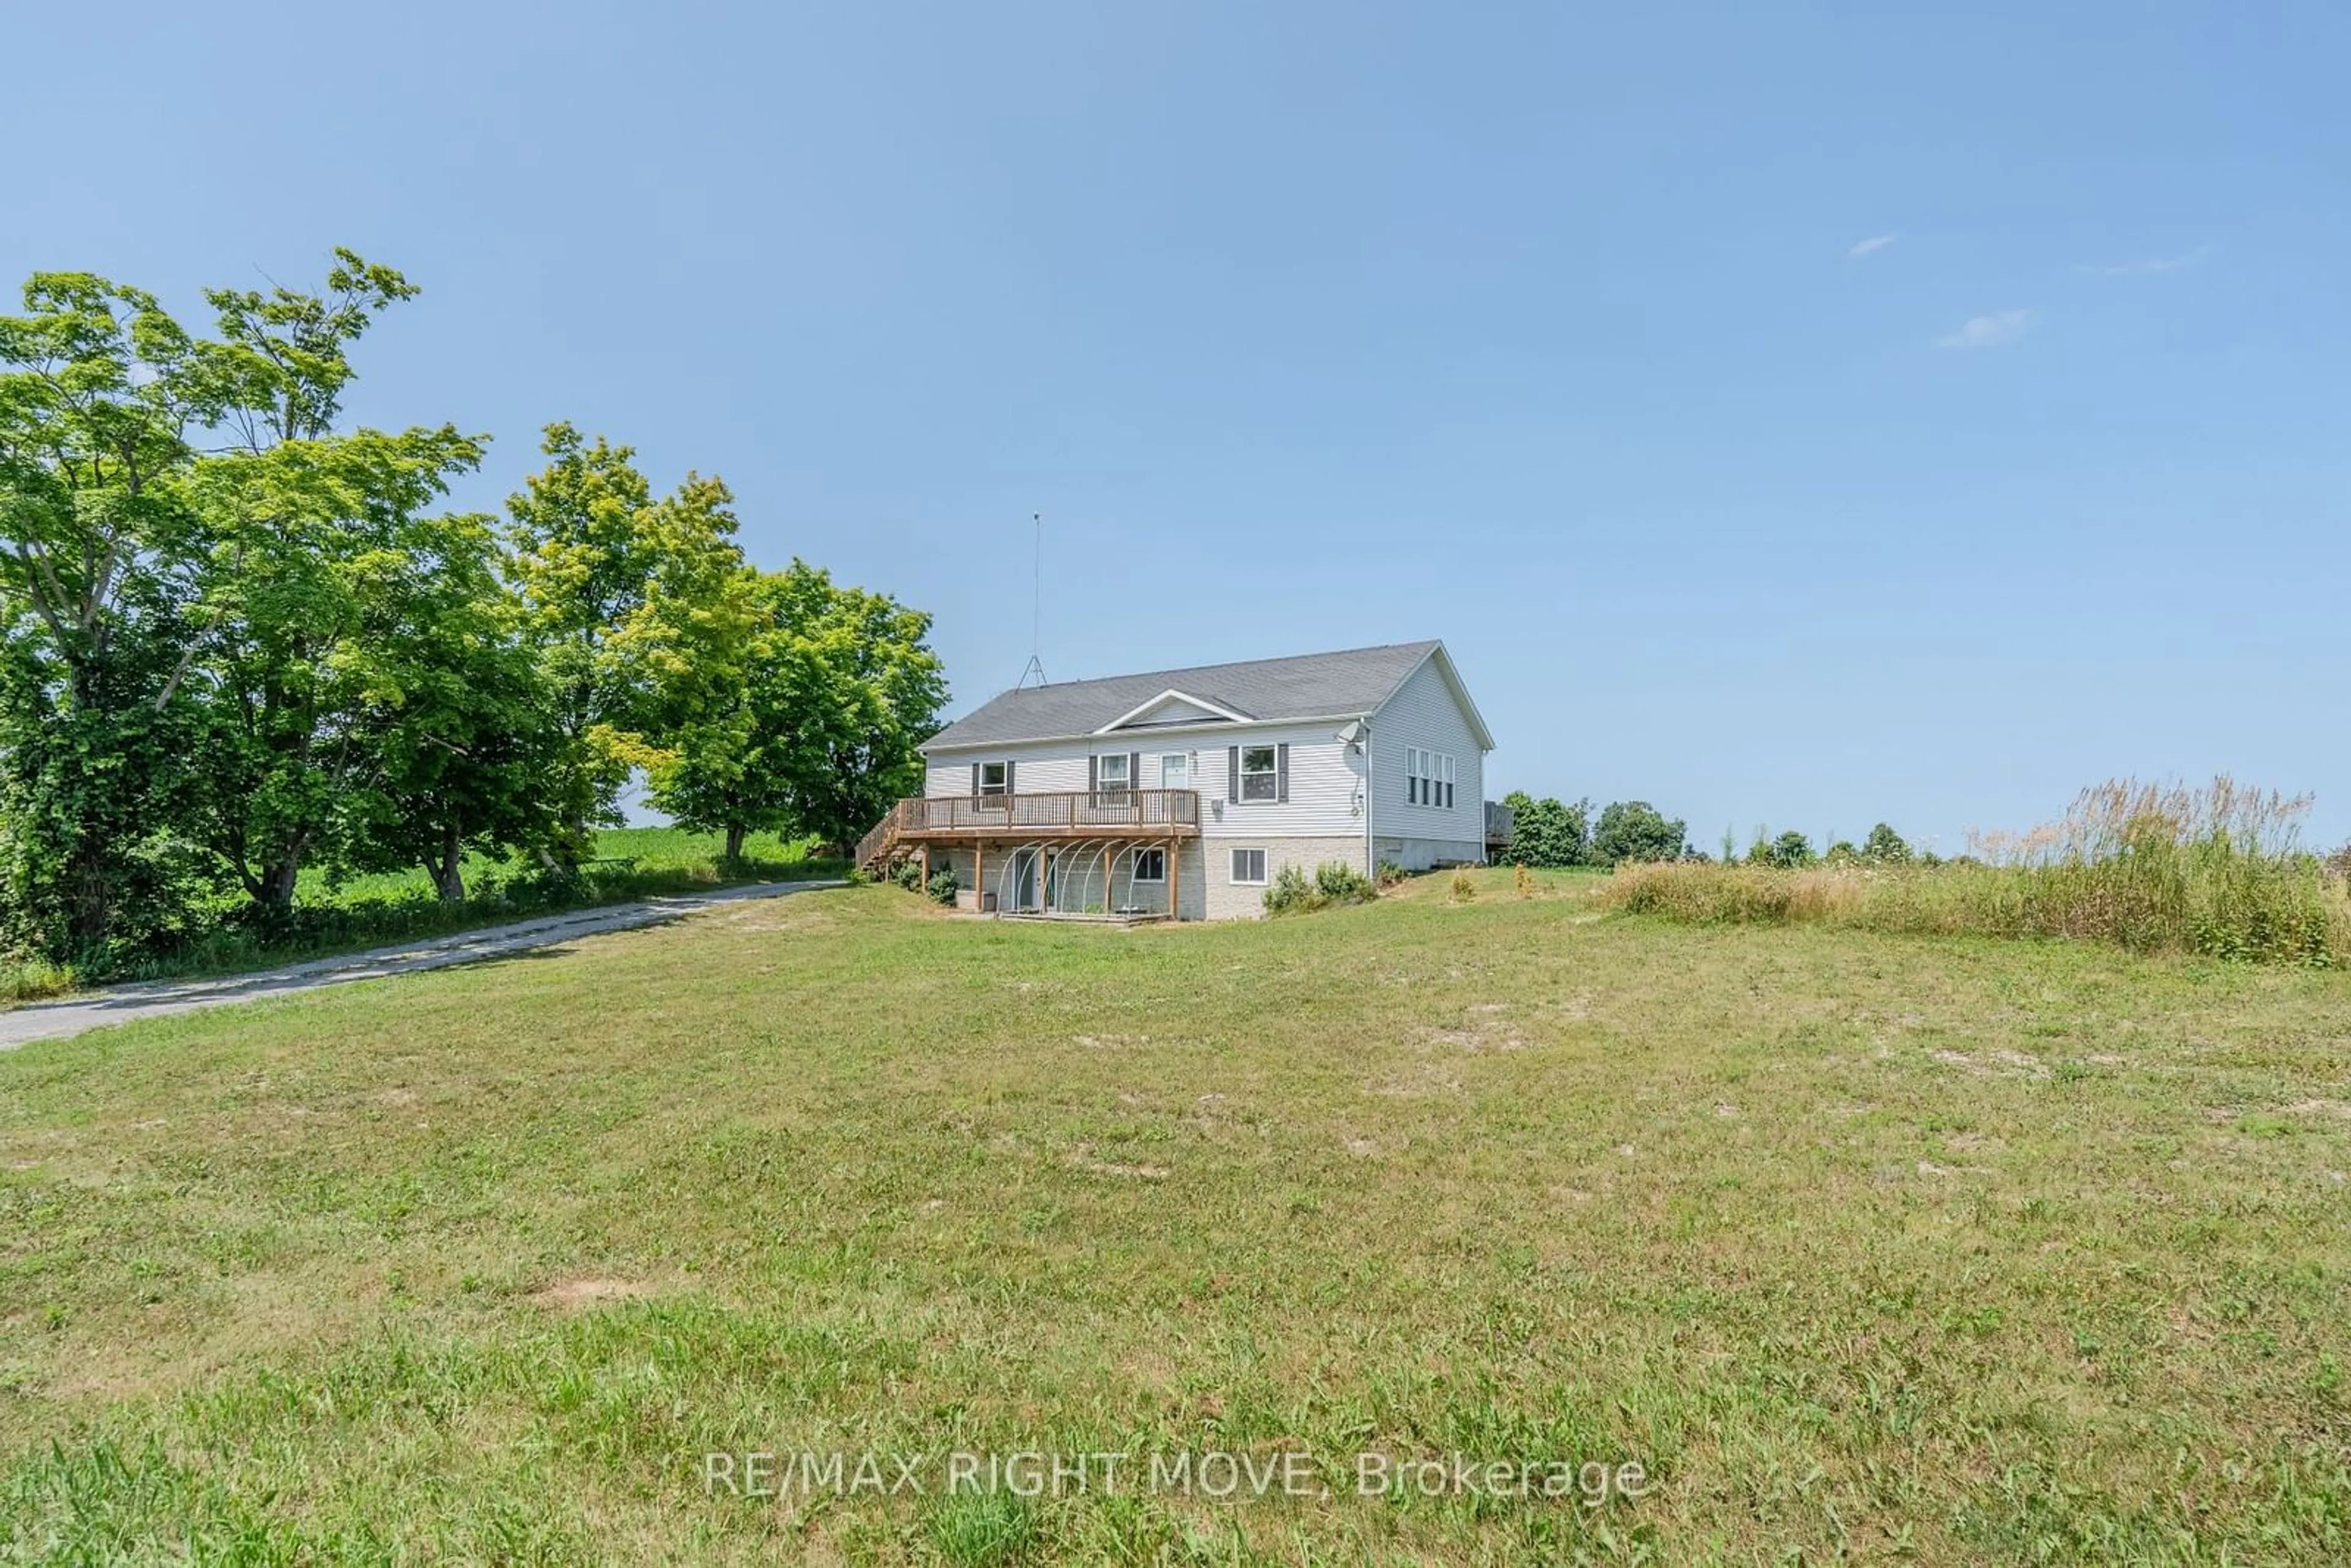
(29, 979)
(2218, 869)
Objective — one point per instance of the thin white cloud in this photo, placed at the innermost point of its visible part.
(2152, 264)
(1871, 245)
(1988, 331)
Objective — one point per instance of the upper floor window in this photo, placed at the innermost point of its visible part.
(991, 777)
(1427, 777)
(1260, 780)
(1115, 771)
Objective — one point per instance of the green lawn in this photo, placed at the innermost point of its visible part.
(1877, 1247)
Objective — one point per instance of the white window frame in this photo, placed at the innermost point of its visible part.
(1233, 865)
(1428, 779)
(1183, 759)
(1103, 782)
(1137, 863)
(1270, 773)
(1003, 784)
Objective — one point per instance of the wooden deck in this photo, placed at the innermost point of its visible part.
(1155, 815)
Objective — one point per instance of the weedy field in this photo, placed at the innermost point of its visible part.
(1891, 1247)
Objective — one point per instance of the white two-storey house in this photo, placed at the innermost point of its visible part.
(1183, 793)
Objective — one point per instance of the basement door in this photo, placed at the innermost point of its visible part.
(1024, 880)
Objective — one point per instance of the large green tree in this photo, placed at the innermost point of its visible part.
(457, 723)
(822, 694)
(324, 563)
(748, 689)
(613, 581)
(98, 559)
(239, 639)
(1637, 831)
(1545, 833)
(895, 687)
(1884, 846)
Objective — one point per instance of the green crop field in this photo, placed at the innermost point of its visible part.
(1855, 1245)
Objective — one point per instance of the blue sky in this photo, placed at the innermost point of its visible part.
(1792, 414)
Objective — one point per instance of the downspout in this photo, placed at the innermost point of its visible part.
(1485, 850)
(1370, 861)
(1482, 777)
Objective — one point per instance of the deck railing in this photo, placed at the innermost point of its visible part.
(1176, 812)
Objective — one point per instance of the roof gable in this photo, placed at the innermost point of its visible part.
(1442, 661)
(1171, 708)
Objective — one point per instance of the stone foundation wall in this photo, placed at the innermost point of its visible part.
(1229, 900)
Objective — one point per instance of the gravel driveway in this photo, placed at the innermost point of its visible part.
(125, 1004)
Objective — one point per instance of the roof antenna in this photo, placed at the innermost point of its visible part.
(1035, 664)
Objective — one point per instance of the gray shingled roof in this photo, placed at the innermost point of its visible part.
(1311, 686)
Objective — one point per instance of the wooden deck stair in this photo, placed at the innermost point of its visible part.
(879, 847)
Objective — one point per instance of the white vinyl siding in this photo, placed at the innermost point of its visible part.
(1424, 718)
(1040, 770)
(1325, 781)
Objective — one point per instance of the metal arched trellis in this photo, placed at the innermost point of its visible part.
(1073, 875)
(1062, 876)
(1008, 884)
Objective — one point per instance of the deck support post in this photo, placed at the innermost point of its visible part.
(1175, 878)
(979, 874)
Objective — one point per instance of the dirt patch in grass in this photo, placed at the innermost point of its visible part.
(584, 1290)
